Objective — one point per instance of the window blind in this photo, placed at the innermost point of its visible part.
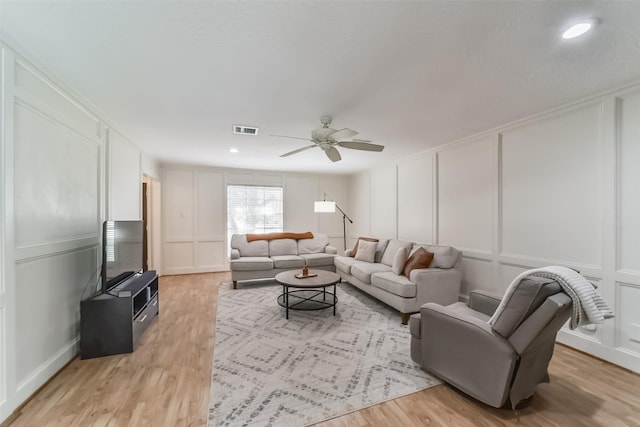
(253, 209)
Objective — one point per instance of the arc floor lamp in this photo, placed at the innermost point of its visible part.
(329, 206)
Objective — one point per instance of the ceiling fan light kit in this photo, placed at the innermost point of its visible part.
(328, 139)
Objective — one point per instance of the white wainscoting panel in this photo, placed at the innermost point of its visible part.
(415, 199)
(56, 180)
(3, 360)
(359, 206)
(210, 193)
(242, 178)
(48, 296)
(628, 182)
(477, 274)
(628, 317)
(124, 179)
(508, 273)
(465, 195)
(269, 179)
(177, 204)
(551, 188)
(150, 166)
(383, 202)
(38, 92)
(299, 194)
(178, 257)
(210, 255)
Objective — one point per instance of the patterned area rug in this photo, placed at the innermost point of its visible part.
(269, 371)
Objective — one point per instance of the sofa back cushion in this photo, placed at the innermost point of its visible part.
(283, 247)
(529, 294)
(399, 260)
(382, 246)
(366, 251)
(392, 248)
(257, 248)
(355, 247)
(421, 258)
(444, 257)
(313, 246)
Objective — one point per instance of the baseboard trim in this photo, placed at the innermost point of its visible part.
(43, 369)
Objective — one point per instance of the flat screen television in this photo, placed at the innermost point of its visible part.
(122, 251)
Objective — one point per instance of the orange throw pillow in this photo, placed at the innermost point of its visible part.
(421, 258)
(355, 248)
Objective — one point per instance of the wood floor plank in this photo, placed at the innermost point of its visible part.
(166, 382)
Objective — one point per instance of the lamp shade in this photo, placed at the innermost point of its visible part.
(324, 207)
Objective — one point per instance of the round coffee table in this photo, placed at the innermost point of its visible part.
(310, 293)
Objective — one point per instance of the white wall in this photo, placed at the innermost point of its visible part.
(52, 173)
(359, 206)
(557, 188)
(195, 219)
(124, 186)
(53, 193)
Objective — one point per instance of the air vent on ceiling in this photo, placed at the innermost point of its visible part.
(245, 130)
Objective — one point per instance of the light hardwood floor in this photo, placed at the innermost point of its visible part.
(165, 382)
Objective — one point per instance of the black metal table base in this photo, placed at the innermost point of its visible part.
(307, 299)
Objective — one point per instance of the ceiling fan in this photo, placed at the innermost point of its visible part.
(328, 139)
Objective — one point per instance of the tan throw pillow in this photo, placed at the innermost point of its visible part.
(399, 260)
(366, 251)
(421, 258)
(355, 248)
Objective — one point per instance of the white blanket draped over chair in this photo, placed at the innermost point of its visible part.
(588, 306)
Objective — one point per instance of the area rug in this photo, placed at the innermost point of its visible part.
(269, 371)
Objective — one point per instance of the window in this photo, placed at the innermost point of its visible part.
(252, 209)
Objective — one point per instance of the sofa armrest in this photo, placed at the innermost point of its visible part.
(464, 351)
(330, 250)
(436, 285)
(235, 254)
(483, 302)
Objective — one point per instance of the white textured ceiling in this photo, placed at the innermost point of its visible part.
(174, 76)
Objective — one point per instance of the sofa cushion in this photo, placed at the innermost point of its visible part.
(366, 251)
(392, 248)
(344, 263)
(529, 294)
(399, 260)
(444, 256)
(363, 270)
(283, 247)
(382, 246)
(353, 252)
(317, 260)
(394, 283)
(250, 263)
(259, 248)
(313, 246)
(421, 258)
(287, 261)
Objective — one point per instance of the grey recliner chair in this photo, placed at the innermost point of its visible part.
(496, 364)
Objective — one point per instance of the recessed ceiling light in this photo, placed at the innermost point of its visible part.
(233, 150)
(579, 29)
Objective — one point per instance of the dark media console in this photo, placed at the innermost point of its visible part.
(113, 322)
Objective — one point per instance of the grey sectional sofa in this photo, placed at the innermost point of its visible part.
(439, 283)
(263, 259)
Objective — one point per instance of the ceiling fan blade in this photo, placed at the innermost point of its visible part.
(298, 150)
(332, 154)
(357, 145)
(291, 137)
(345, 133)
